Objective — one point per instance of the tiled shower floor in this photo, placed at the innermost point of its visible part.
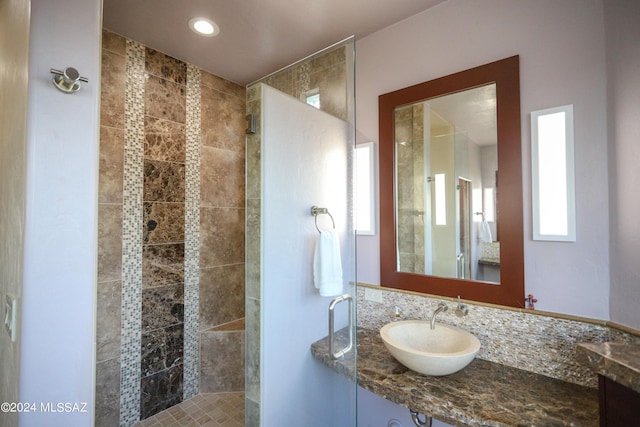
(207, 409)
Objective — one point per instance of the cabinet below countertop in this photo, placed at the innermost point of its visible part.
(618, 367)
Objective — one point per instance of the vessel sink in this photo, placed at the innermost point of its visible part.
(440, 351)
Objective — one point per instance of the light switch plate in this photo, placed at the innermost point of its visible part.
(10, 312)
(374, 295)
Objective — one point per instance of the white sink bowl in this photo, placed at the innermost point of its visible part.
(441, 351)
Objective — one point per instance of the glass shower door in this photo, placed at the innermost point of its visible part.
(299, 155)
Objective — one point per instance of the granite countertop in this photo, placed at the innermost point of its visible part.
(618, 361)
(484, 393)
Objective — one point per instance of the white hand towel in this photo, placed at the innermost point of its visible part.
(327, 264)
(485, 232)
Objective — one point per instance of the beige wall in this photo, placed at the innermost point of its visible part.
(561, 45)
(623, 60)
(14, 49)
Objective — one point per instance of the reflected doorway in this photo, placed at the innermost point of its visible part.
(464, 229)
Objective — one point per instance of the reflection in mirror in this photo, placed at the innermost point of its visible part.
(446, 163)
(451, 186)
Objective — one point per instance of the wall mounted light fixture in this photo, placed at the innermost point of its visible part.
(365, 207)
(553, 182)
(67, 80)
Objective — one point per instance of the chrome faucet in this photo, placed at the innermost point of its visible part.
(442, 306)
(461, 309)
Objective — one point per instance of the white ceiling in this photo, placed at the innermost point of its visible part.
(257, 37)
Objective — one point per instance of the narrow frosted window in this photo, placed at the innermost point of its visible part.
(312, 97)
(552, 170)
(441, 200)
(489, 205)
(314, 100)
(365, 223)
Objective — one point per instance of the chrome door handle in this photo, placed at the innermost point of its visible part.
(337, 354)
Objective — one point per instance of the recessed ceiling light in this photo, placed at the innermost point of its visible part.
(204, 27)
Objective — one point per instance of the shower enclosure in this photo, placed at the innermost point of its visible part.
(299, 155)
(171, 250)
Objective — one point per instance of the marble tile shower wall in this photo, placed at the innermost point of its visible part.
(253, 266)
(533, 342)
(110, 209)
(326, 72)
(163, 249)
(171, 257)
(409, 128)
(222, 235)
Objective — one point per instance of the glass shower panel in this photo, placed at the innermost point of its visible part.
(300, 156)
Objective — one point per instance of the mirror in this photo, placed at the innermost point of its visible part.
(446, 147)
(446, 159)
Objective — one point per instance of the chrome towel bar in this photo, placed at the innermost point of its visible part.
(315, 211)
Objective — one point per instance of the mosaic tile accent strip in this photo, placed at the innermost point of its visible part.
(132, 236)
(532, 342)
(303, 80)
(192, 236)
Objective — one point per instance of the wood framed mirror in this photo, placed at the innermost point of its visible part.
(440, 270)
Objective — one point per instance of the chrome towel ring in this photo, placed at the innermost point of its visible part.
(315, 211)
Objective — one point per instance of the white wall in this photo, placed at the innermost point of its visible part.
(14, 51)
(58, 307)
(562, 61)
(304, 163)
(622, 19)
